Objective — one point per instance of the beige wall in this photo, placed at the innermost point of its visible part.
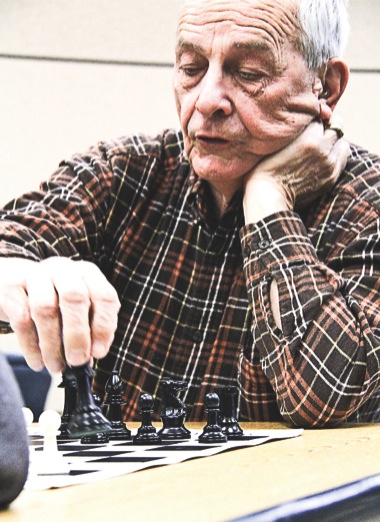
(53, 108)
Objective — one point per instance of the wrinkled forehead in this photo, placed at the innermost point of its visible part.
(273, 22)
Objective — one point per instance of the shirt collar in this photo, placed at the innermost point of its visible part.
(199, 197)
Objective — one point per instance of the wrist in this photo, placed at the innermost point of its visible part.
(263, 198)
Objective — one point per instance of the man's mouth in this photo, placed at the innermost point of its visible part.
(210, 140)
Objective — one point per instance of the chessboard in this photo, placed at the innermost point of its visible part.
(92, 442)
(80, 463)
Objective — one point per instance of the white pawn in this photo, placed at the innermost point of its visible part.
(51, 461)
(28, 417)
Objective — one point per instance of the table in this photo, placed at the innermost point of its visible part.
(218, 488)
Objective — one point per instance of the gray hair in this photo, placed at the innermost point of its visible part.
(324, 30)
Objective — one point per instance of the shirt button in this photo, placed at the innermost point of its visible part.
(197, 336)
(264, 244)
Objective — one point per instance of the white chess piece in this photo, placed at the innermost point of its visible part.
(28, 417)
(50, 460)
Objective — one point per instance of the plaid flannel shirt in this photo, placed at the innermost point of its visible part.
(194, 292)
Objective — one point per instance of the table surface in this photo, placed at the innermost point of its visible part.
(218, 488)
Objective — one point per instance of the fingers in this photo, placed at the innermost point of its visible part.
(338, 149)
(88, 307)
(74, 305)
(63, 312)
(339, 156)
(335, 124)
(45, 317)
(15, 309)
(104, 311)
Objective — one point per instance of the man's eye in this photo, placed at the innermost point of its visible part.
(190, 71)
(249, 76)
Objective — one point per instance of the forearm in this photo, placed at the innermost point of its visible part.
(63, 218)
(263, 198)
(59, 305)
(322, 357)
(20, 241)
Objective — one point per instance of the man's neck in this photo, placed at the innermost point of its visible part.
(222, 195)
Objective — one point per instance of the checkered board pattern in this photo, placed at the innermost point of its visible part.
(80, 463)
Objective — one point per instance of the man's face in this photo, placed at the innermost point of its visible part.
(242, 89)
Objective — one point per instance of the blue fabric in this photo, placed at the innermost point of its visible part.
(14, 451)
(34, 386)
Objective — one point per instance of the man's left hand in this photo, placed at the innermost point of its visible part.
(297, 174)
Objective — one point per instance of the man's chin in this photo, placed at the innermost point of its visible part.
(220, 169)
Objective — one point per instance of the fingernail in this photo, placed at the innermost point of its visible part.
(99, 350)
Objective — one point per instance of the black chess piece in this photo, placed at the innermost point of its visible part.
(114, 390)
(173, 411)
(147, 433)
(69, 384)
(228, 408)
(95, 438)
(87, 417)
(212, 432)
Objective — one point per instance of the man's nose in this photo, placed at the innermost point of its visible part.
(214, 95)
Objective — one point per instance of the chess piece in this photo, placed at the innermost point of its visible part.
(146, 434)
(173, 411)
(228, 417)
(28, 417)
(95, 438)
(114, 388)
(87, 418)
(50, 461)
(69, 384)
(212, 432)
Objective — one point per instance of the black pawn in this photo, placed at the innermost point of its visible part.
(228, 416)
(212, 432)
(114, 390)
(69, 384)
(87, 417)
(146, 434)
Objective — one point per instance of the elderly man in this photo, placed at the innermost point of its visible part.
(242, 250)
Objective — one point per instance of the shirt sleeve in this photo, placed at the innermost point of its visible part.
(65, 217)
(323, 363)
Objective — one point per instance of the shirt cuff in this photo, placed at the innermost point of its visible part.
(278, 241)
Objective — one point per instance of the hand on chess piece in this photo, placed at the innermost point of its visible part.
(14, 453)
(62, 311)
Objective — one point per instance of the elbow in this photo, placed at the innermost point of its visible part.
(306, 417)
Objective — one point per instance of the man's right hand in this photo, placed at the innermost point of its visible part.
(62, 311)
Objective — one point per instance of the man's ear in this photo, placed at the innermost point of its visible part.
(335, 82)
